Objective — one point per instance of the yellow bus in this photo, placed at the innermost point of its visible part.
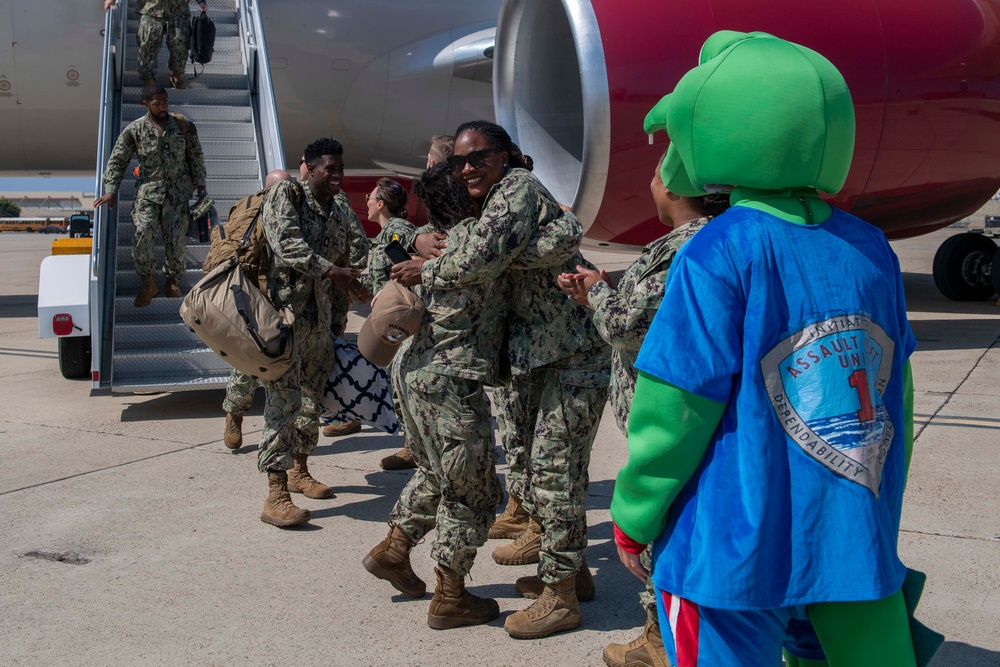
(44, 225)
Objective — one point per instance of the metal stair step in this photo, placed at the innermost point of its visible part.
(222, 130)
(194, 257)
(160, 310)
(226, 25)
(201, 96)
(138, 337)
(214, 77)
(196, 113)
(179, 382)
(147, 366)
(128, 281)
(227, 52)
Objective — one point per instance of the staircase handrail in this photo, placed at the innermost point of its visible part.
(104, 231)
(254, 46)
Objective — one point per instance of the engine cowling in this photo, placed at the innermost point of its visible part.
(574, 80)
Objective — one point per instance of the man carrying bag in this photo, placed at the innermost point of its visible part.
(310, 246)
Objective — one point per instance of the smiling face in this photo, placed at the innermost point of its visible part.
(325, 175)
(480, 180)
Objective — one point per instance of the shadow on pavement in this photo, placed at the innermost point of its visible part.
(18, 305)
(957, 654)
(181, 405)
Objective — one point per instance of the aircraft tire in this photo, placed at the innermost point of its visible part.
(962, 267)
(74, 357)
(995, 275)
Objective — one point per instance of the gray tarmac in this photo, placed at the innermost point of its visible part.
(180, 570)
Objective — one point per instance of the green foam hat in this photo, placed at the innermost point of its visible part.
(758, 112)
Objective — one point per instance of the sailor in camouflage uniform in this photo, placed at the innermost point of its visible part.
(309, 237)
(623, 315)
(171, 165)
(558, 362)
(241, 387)
(156, 19)
(452, 357)
(387, 207)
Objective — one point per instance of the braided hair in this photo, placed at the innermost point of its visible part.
(711, 205)
(393, 196)
(447, 199)
(498, 138)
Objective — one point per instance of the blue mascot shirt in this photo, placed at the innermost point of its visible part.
(802, 332)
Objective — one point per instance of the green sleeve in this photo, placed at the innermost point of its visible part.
(669, 431)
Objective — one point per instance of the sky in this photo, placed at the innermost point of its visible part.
(71, 184)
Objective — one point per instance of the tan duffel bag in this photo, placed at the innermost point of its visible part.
(230, 315)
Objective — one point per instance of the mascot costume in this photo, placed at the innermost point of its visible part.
(772, 424)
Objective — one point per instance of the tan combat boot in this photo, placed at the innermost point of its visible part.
(300, 481)
(345, 428)
(146, 292)
(512, 521)
(453, 606)
(390, 561)
(148, 83)
(401, 460)
(646, 650)
(170, 289)
(278, 508)
(233, 435)
(523, 550)
(178, 81)
(555, 610)
(531, 587)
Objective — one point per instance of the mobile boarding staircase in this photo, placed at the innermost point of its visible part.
(232, 105)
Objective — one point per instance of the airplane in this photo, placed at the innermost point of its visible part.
(571, 80)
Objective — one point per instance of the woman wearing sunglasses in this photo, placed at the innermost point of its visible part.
(550, 410)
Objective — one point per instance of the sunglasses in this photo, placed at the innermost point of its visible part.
(476, 158)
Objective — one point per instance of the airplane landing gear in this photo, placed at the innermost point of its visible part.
(963, 268)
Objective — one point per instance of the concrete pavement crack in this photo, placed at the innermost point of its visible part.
(118, 465)
(957, 537)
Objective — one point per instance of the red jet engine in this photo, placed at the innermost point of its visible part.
(573, 80)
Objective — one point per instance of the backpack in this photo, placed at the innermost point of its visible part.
(202, 40)
(243, 238)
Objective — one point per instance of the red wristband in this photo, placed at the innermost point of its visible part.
(627, 543)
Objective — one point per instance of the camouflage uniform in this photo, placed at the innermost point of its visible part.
(241, 387)
(305, 242)
(557, 360)
(444, 406)
(379, 264)
(623, 316)
(170, 167)
(159, 17)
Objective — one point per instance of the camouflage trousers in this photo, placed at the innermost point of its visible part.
(292, 407)
(455, 487)
(151, 31)
(647, 598)
(550, 421)
(239, 393)
(170, 219)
